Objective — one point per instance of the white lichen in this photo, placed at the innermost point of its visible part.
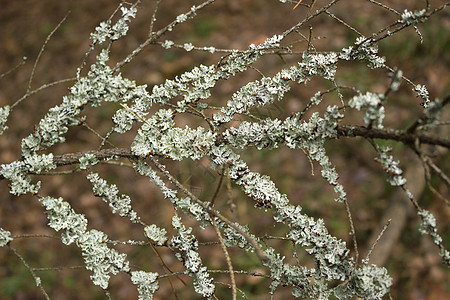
(146, 282)
(5, 237)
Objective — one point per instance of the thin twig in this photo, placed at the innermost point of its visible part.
(166, 269)
(343, 23)
(156, 36)
(153, 20)
(377, 239)
(37, 279)
(107, 294)
(259, 251)
(139, 117)
(227, 258)
(427, 165)
(21, 236)
(57, 173)
(24, 59)
(385, 7)
(42, 50)
(92, 47)
(58, 268)
(219, 185)
(438, 171)
(42, 87)
(437, 194)
(352, 231)
(104, 139)
(211, 125)
(229, 285)
(309, 18)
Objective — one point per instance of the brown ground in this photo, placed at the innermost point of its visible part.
(24, 26)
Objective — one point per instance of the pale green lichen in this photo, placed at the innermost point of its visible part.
(185, 242)
(5, 237)
(110, 194)
(413, 17)
(147, 283)
(4, 113)
(156, 234)
(88, 159)
(393, 171)
(160, 136)
(372, 104)
(371, 282)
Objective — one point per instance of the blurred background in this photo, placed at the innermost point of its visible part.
(412, 259)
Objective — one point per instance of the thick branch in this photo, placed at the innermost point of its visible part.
(343, 130)
(74, 158)
(391, 134)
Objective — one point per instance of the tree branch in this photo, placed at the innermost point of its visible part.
(342, 130)
(391, 134)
